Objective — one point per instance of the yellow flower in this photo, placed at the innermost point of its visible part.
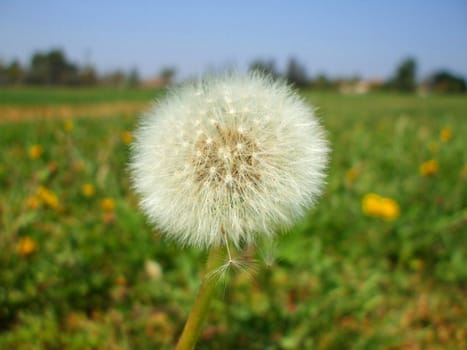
(68, 125)
(108, 204)
(49, 198)
(26, 246)
(370, 204)
(35, 151)
(2, 169)
(389, 209)
(429, 168)
(127, 137)
(33, 202)
(446, 134)
(381, 207)
(88, 190)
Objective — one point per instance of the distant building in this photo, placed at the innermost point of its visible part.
(360, 86)
(154, 83)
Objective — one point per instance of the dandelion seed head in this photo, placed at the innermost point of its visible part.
(254, 162)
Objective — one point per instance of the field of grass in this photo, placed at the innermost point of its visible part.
(83, 95)
(380, 263)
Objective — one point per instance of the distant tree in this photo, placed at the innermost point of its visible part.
(264, 67)
(52, 68)
(446, 82)
(87, 76)
(116, 78)
(322, 82)
(167, 75)
(405, 76)
(296, 73)
(12, 73)
(15, 72)
(3, 79)
(133, 78)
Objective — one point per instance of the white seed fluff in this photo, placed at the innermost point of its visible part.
(230, 158)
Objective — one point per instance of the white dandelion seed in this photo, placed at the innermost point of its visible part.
(254, 164)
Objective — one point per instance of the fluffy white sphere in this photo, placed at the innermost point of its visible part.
(233, 157)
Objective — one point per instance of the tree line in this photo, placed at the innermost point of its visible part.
(404, 78)
(54, 68)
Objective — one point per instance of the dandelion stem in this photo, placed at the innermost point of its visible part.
(227, 246)
(199, 311)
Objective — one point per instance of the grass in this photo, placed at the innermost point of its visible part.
(83, 269)
(46, 96)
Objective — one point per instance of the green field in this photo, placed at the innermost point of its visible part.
(59, 95)
(81, 269)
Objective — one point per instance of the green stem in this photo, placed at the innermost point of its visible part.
(200, 308)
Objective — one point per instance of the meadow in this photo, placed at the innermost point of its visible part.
(380, 263)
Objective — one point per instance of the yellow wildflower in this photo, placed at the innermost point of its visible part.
(68, 125)
(370, 204)
(26, 246)
(127, 137)
(49, 198)
(35, 151)
(381, 207)
(389, 209)
(2, 168)
(446, 134)
(33, 202)
(88, 190)
(108, 204)
(429, 168)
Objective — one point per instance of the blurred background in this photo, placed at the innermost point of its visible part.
(380, 263)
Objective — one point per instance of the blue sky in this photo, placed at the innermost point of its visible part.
(335, 37)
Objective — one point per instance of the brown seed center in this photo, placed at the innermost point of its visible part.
(227, 157)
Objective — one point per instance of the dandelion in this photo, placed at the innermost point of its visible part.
(389, 209)
(446, 134)
(370, 204)
(224, 164)
(35, 152)
(127, 137)
(239, 157)
(381, 207)
(88, 190)
(68, 125)
(26, 246)
(48, 197)
(429, 168)
(108, 205)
